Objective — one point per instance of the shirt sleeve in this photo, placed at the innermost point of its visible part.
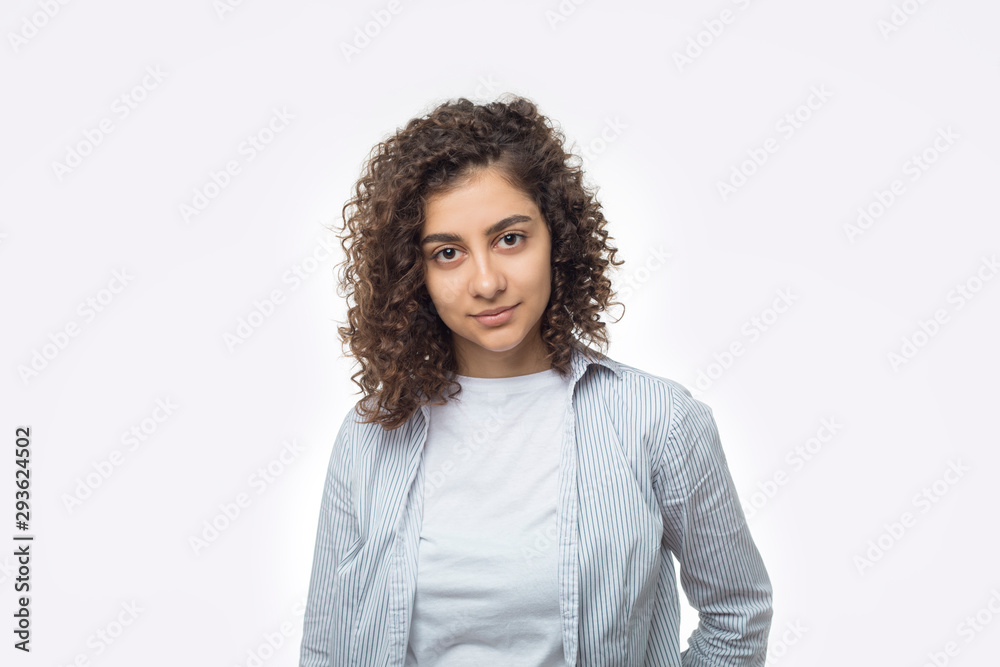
(336, 530)
(721, 570)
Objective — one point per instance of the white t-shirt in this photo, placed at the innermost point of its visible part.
(487, 585)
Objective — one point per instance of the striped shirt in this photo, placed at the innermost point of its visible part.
(643, 481)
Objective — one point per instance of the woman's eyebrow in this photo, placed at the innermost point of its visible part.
(494, 228)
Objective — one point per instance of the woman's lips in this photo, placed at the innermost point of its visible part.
(497, 319)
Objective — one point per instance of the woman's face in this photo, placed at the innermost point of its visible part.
(486, 248)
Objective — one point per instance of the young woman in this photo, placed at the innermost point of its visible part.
(503, 493)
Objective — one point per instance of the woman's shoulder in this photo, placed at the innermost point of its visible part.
(655, 410)
(636, 376)
(647, 396)
(633, 379)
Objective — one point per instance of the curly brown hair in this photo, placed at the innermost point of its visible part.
(402, 345)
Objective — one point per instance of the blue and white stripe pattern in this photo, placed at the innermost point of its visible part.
(643, 481)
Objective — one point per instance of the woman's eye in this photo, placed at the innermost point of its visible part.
(441, 254)
(511, 237)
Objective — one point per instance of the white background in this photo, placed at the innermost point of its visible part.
(856, 589)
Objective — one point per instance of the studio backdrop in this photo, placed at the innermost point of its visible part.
(804, 194)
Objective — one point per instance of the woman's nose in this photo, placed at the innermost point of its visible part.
(487, 278)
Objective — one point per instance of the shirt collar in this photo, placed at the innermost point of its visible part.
(583, 357)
